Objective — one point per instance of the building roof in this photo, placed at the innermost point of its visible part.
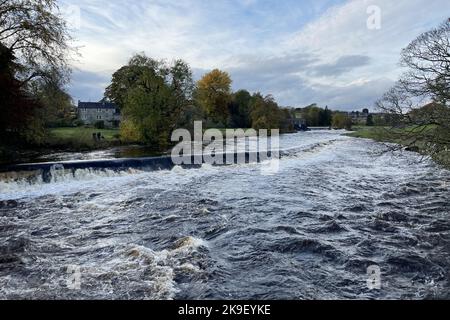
(96, 105)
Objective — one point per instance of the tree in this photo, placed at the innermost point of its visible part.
(239, 109)
(286, 121)
(128, 76)
(370, 122)
(325, 117)
(428, 61)
(35, 33)
(148, 106)
(34, 48)
(426, 82)
(315, 116)
(20, 121)
(265, 113)
(154, 96)
(214, 94)
(56, 104)
(342, 121)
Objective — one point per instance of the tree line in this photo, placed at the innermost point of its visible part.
(34, 50)
(419, 103)
(156, 97)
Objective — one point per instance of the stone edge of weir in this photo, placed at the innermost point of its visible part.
(147, 164)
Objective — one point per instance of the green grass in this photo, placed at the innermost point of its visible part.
(412, 137)
(375, 133)
(388, 134)
(79, 132)
(81, 138)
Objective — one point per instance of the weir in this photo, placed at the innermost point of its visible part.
(46, 169)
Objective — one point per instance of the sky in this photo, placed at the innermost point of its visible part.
(340, 54)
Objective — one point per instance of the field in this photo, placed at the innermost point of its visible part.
(78, 132)
(81, 138)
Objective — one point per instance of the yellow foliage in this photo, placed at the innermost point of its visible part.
(129, 131)
(214, 93)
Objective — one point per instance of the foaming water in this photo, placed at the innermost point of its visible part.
(337, 206)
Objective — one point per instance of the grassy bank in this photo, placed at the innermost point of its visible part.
(415, 139)
(380, 134)
(80, 138)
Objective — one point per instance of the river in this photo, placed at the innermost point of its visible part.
(338, 206)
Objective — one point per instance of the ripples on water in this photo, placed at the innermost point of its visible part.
(310, 232)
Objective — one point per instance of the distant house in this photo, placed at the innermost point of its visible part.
(99, 112)
(359, 117)
(299, 120)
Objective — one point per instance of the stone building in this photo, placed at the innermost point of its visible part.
(360, 118)
(92, 113)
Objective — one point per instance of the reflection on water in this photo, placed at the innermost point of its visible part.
(338, 206)
(112, 153)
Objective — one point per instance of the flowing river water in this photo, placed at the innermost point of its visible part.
(337, 206)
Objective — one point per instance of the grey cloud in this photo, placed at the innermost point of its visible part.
(352, 97)
(340, 66)
(288, 79)
(286, 64)
(88, 86)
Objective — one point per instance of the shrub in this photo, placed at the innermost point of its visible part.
(129, 131)
(342, 121)
(78, 123)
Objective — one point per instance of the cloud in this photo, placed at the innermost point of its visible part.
(88, 86)
(342, 65)
(301, 52)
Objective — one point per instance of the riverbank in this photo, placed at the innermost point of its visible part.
(81, 143)
(60, 140)
(403, 137)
